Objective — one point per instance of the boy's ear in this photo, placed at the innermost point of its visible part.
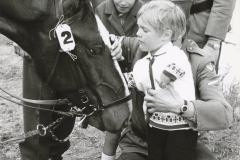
(168, 34)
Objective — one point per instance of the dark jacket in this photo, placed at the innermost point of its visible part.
(108, 14)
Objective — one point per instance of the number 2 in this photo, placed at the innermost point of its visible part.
(68, 36)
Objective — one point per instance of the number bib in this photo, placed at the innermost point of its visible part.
(65, 37)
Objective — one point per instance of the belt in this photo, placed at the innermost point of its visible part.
(200, 7)
(139, 133)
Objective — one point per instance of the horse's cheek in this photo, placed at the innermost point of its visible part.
(96, 121)
(115, 118)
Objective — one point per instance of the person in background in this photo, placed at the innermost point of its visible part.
(119, 16)
(210, 22)
(210, 110)
(95, 3)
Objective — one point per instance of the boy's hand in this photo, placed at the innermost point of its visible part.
(116, 48)
(164, 81)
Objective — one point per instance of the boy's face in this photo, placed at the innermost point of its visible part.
(123, 6)
(148, 37)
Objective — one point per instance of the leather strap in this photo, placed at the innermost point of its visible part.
(75, 17)
(59, 8)
(53, 69)
(50, 110)
(23, 136)
(41, 102)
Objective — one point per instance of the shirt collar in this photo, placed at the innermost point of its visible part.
(162, 50)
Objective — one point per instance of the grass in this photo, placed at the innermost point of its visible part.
(225, 144)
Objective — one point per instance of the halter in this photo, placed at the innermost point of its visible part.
(84, 98)
(41, 130)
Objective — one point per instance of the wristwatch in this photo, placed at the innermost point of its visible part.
(183, 108)
(213, 46)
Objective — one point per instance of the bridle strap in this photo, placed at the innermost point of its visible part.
(59, 13)
(40, 102)
(119, 101)
(53, 70)
(59, 8)
(91, 85)
(50, 110)
(75, 17)
(89, 82)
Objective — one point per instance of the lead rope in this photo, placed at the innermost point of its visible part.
(41, 130)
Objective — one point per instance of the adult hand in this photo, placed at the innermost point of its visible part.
(164, 100)
(213, 47)
(116, 48)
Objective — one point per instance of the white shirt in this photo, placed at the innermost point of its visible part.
(184, 86)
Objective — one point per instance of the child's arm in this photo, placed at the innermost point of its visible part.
(110, 146)
(170, 74)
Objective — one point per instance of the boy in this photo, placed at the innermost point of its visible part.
(160, 23)
(119, 16)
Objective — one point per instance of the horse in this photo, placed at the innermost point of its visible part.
(92, 73)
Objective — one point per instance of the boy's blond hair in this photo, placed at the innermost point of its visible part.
(164, 15)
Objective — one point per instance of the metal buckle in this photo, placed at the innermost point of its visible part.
(39, 130)
(101, 107)
(81, 91)
(84, 100)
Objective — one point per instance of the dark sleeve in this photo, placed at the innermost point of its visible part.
(220, 18)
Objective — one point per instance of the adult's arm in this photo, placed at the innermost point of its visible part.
(210, 112)
(219, 18)
(211, 26)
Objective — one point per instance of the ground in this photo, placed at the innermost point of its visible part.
(86, 143)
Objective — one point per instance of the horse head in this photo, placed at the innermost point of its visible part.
(93, 77)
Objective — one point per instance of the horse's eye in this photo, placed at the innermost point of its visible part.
(96, 50)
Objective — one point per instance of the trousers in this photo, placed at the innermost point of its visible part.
(171, 145)
(202, 153)
(41, 147)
